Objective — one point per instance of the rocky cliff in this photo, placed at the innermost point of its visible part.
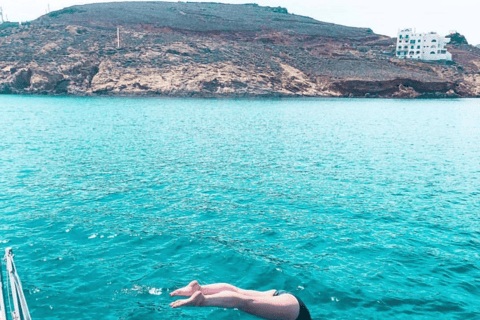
(216, 50)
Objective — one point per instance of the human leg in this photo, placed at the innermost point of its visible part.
(210, 289)
(284, 307)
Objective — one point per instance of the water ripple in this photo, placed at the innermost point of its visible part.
(366, 209)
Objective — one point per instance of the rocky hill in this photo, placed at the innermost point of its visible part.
(216, 50)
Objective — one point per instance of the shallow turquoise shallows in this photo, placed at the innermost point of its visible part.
(365, 209)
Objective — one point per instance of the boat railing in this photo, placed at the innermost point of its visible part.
(14, 296)
(3, 312)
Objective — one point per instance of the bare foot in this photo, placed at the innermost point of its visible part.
(196, 300)
(188, 290)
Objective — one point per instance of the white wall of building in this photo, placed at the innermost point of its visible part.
(422, 46)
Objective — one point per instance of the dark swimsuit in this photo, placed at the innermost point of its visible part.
(304, 314)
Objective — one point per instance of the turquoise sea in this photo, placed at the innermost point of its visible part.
(365, 209)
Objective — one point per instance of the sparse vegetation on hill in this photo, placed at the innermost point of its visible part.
(71, 10)
(197, 16)
(212, 49)
(7, 25)
(457, 39)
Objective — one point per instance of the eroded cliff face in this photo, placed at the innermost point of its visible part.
(65, 59)
(215, 79)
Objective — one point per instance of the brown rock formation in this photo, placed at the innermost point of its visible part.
(217, 50)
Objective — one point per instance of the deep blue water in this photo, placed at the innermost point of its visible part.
(365, 209)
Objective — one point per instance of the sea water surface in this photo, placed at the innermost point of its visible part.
(365, 209)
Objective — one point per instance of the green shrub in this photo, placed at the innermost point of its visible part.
(457, 38)
(280, 10)
(8, 24)
(71, 10)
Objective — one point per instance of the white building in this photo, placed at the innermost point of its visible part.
(422, 46)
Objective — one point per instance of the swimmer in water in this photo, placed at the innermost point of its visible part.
(272, 304)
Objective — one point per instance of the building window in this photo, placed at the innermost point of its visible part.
(399, 47)
(412, 47)
(433, 52)
(418, 47)
(418, 52)
(434, 40)
(419, 40)
(406, 37)
(444, 51)
(412, 41)
(406, 47)
(401, 37)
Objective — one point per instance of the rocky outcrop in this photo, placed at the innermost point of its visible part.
(469, 86)
(219, 79)
(217, 50)
(45, 82)
(405, 93)
(21, 79)
(398, 88)
(35, 81)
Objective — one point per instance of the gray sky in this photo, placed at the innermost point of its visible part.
(383, 16)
